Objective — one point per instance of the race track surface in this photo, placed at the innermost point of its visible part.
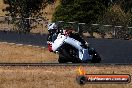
(27, 39)
(113, 50)
(110, 50)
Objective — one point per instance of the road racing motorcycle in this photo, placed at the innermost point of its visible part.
(71, 47)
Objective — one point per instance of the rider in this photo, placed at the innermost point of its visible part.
(52, 28)
(68, 31)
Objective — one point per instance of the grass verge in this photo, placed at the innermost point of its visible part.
(56, 77)
(25, 54)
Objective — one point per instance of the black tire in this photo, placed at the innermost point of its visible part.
(62, 59)
(66, 56)
(96, 58)
(76, 60)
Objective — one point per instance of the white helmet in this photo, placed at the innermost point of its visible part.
(52, 26)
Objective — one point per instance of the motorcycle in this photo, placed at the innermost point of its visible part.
(71, 47)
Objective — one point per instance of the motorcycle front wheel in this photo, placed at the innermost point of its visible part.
(68, 54)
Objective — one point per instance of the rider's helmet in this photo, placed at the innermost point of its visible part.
(52, 26)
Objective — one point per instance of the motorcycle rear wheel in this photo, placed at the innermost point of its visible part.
(95, 56)
(96, 59)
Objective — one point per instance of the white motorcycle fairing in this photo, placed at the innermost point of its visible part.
(58, 42)
(61, 39)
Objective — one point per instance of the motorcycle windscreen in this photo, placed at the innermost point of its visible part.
(84, 55)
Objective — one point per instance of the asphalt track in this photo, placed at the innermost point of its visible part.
(113, 50)
(110, 50)
(27, 39)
